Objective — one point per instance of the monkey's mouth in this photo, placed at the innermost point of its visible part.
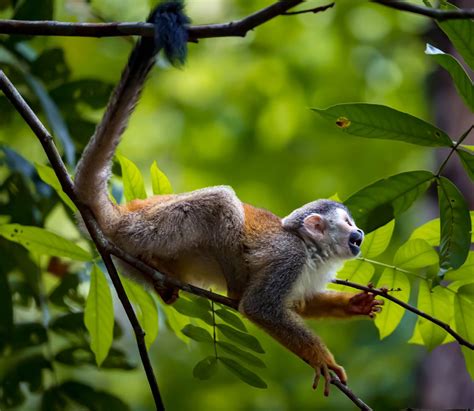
(355, 240)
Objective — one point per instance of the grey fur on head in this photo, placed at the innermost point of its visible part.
(324, 207)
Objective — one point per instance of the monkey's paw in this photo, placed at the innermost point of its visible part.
(322, 368)
(364, 304)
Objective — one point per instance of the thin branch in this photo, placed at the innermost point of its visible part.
(238, 28)
(440, 15)
(67, 185)
(453, 149)
(106, 249)
(349, 393)
(384, 293)
(314, 10)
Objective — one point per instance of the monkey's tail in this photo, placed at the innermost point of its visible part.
(94, 168)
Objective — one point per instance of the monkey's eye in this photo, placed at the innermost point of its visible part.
(348, 222)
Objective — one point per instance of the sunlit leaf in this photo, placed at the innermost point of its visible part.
(415, 254)
(175, 322)
(465, 272)
(42, 241)
(467, 160)
(48, 175)
(230, 318)
(380, 202)
(464, 321)
(159, 181)
(376, 242)
(245, 356)
(133, 184)
(461, 33)
(391, 315)
(455, 226)
(437, 303)
(463, 83)
(145, 308)
(240, 337)
(99, 315)
(205, 369)
(243, 373)
(197, 333)
(381, 122)
(357, 271)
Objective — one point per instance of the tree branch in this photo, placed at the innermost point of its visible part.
(384, 293)
(440, 15)
(106, 248)
(68, 187)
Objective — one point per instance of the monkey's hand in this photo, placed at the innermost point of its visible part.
(364, 304)
(322, 362)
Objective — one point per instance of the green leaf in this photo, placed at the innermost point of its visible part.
(175, 322)
(133, 184)
(243, 373)
(381, 122)
(428, 232)
(437, 303)
(467, 160)
(51, 66)
(382, 201)
(461, 33)
(245, 356)
(463, 273)
(99, 315)
(455, 226)
(26, 335)
(392, 313)
(463, 83)
(415, 254)
(205, 369)
(357, 271)
(376, 242)
(159, 181)
(197, 333)
(230, 318)
(42, 241)
(464, 322)
(145, 308)
(6, 307)
(193, 309)
(80, 355)
(48, 175)
(241, 338)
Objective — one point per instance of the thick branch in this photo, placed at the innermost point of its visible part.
(384, 293)
(106, 249)
(238, 28)
(67, 185)
(458, 14)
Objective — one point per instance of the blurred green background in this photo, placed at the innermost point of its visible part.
(239, 114)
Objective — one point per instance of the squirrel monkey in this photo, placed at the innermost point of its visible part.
(276, 268)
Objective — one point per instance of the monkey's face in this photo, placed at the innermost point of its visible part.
(334, 232)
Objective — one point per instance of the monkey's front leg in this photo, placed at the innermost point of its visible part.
(286, 326)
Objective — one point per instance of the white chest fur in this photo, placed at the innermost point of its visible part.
(314, 278)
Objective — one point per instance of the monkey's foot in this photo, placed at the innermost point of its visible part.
(323, 367)
(168, 294)
(364, 304)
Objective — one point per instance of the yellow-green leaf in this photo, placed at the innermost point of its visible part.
(391, 315)
(465, 272)
(43, 242)
(357, 271)
(376, 242)
(133, 184)
(464, 322)
(415, 254)
(159, 181)
(99, 315)
(48, 175)
(145, 308)
(437, 303)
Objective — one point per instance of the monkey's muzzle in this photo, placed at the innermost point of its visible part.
(355, 240)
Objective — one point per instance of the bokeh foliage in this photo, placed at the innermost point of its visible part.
(236, 114)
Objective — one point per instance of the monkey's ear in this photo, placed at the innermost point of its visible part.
(315, 224)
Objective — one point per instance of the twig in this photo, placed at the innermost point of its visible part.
(238, 28)
(384, 293)
(349, 393)
(67, 185)
(106, 249)
(453, 149)
(440, 15)
(314, 10)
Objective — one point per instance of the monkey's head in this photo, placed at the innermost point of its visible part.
(329, 226)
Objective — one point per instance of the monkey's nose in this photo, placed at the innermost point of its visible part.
(356, 237)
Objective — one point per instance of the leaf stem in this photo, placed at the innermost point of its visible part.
(453, 149)
(214, 329)
(393, 267)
